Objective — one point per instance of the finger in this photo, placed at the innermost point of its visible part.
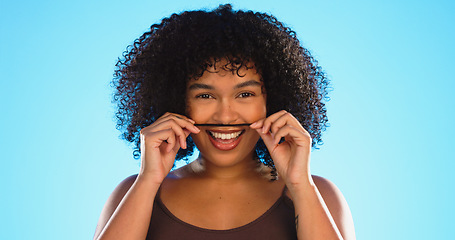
(174, 116)
(177, 147)
(176, 123)
(184, 118)
(285, 119)
(161, 139)
(180, 135)
(258, 124)
(171, 141)
(181, 139)
(168, 125)
(181, 120)
(179, 116)
(183, 143)
(187, 132)
(267, 138)
(272, 118)
(300, 138)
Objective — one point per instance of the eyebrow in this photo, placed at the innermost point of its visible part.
(195, 86)
(248, 83)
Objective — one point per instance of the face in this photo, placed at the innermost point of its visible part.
(223, 97)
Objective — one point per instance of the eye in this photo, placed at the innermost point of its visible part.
(245, 94)
(204, 95)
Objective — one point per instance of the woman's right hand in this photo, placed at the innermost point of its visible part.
(160, 143)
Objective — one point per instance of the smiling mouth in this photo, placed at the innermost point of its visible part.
(225, 140)
(225, 136)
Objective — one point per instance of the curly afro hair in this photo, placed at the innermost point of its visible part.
(151, 77)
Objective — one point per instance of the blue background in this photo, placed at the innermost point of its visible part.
(389, 148)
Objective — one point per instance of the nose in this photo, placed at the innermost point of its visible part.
(225, 113)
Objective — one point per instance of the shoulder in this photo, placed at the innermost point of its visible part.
(125, 185)
(113, 201)
(328, 190)
(337, 205)
(121, 189)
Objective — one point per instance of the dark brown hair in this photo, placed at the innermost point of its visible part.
(150, 78)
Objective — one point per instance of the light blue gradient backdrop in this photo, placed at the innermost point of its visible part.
(389, 147)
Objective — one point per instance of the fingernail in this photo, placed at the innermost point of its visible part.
(254, 124)
(192, 121)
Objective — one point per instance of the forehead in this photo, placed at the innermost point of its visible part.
(227, 71)
(225, 81)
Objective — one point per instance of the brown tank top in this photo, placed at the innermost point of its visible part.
(277, 223)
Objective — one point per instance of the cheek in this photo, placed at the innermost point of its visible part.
(196, 112)
(191, 109)
(262, 109)
(188, 110)
(258, 113)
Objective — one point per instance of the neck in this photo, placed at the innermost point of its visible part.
(243, 170)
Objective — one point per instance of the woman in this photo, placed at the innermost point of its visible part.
(239, 87)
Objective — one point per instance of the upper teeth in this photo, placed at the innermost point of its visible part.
(226, 135)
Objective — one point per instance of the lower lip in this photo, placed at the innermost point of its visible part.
(225, 145)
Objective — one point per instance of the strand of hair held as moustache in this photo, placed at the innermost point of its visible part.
(221, 125)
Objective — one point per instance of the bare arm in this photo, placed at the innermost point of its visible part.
(128, 210)
(322, 212)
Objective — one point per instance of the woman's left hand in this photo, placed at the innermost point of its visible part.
(292, 156)
(313, 208)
